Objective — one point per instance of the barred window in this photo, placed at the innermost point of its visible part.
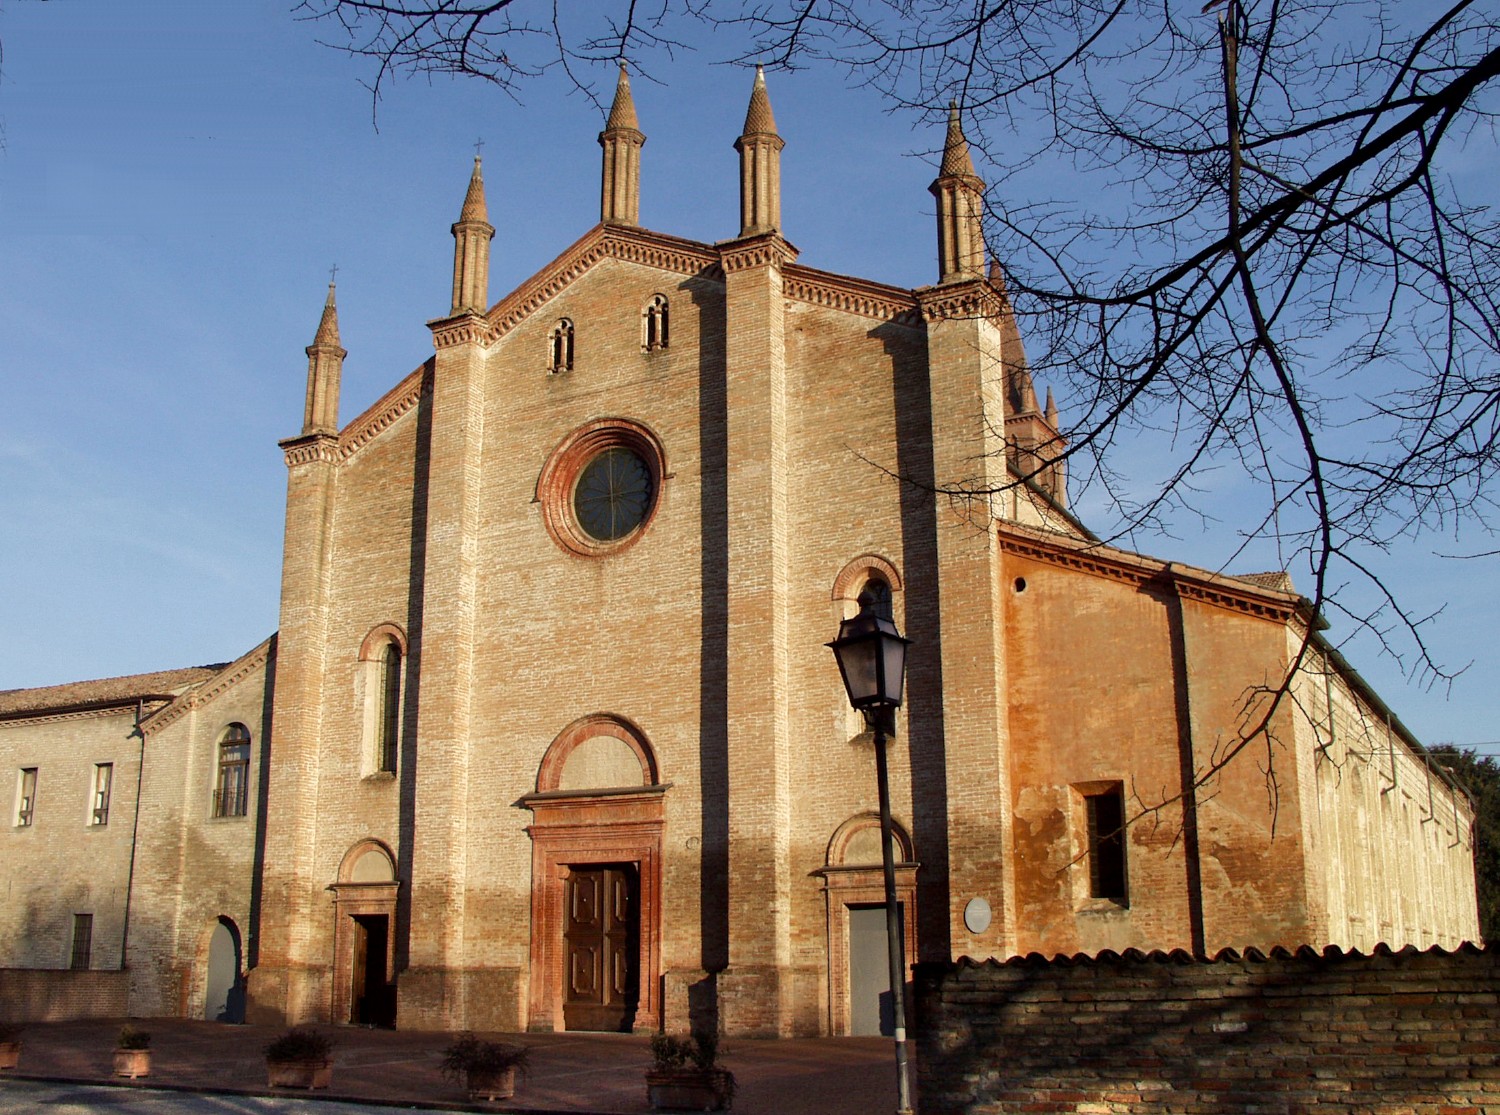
(232, 788)
(83, 941)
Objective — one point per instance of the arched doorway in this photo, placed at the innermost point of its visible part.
(224, 985)
(859, 983)
(597, 818)
(364, 946)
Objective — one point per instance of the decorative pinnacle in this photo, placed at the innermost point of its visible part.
(622, 112)
(1051, 410)
(474, 208)
(758, 119)
(956, 160)
(328, 326)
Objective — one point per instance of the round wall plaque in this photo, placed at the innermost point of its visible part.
(977, 915)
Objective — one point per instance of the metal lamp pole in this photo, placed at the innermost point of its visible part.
(872, 659)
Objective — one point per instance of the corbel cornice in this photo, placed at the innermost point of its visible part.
(971, 298)
(309, 448)
(389, 407)
(850, 295)
(769, 249)
(465, 328)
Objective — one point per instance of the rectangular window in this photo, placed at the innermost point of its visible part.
(26, 797)
(83, 940)
(232, 791)
(104, 774)
(1106, 820)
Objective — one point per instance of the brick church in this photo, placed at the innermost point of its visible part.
(548, 736)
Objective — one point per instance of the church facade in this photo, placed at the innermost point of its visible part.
(548, 736)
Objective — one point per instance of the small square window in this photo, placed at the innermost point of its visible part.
(26, 798)
(104, 775)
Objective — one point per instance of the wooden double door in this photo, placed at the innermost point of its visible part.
(602, 947)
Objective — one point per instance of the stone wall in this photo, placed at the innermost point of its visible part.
(1302, 1032)
(37, 995)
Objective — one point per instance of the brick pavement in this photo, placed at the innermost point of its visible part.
(589, 1074)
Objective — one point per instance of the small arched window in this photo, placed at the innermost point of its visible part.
(562, 347)
(655, 328)
(232, 784)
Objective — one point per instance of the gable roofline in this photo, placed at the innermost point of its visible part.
(206, 690)
(99, 694)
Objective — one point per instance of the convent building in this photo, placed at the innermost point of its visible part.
(548, 736)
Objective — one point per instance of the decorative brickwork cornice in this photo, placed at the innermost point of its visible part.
(389, 407)
(853, 296)
(972, 298)
(309, 448)
(206, 691)
(603, 241)
(1198, 585)
(27, 720)
(465, 328)
(769, 249)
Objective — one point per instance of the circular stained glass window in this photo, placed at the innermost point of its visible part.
(613, 494)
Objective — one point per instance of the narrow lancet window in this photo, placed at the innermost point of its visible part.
(388, 716)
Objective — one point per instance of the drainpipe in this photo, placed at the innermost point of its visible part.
(135, 821)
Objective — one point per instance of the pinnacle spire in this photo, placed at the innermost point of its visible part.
(956, 158)
(622, 112)
(760, 164)
(758, 118)
(1051, 410)
(325, 363)
(622, 140)
(474, 207)
(328, 325)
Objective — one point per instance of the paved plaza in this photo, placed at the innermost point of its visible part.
(205, 1067)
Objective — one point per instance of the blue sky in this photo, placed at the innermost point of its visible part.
(176, 180)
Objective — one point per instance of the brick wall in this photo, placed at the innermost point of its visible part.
(1306, 1032)
(37, 995)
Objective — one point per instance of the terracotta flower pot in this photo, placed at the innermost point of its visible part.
(132, 1062)
(299, 1074)
(687, 1089)
(492, 1084)
(10, 1053)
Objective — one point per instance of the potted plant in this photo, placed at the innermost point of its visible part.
(685, 1074)
(488, 1068)
(10, 1045)
(300, 1058)
(133, 1052)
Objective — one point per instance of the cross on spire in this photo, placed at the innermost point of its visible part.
(333, 274)
(478, 147)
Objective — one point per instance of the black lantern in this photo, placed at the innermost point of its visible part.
(871, 655)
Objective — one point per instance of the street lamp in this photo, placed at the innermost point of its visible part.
(872, 659)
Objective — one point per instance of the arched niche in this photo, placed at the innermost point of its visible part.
(599, 804)
(853, 877)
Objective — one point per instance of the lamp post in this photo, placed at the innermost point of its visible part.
(871, 655)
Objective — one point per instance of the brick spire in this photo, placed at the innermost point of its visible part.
(325, 365)
(960, 200)
(622, 140)
(760, 164)
(471, 250)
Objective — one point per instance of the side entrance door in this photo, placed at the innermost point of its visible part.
(871, 1005)
(602, 947)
